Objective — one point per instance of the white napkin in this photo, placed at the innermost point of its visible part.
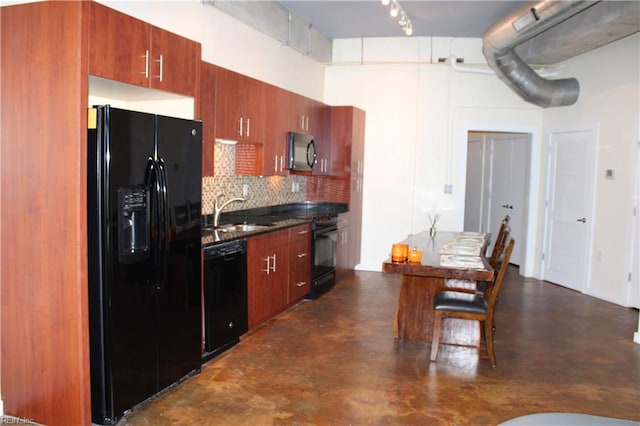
(465, 249)
(457, 261)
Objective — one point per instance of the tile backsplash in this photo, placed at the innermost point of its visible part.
(262, 191)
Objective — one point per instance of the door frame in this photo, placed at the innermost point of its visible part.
(530, 216)
(632, 264)
(594, 129)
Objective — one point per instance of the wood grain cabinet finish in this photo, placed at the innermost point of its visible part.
(43, 291)
(277, 131)
(129, 50)
(267, 275)
(357, 179)
(300, 261)
(207, 106)
(344, 251)
(279, 271)
(240, 107)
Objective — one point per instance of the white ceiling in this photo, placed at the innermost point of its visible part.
(369, 18)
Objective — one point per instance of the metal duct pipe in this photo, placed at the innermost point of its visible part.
(500, 40)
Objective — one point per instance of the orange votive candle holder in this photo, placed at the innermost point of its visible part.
(399, 252)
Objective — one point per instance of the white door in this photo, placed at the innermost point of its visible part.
(474, 192)
(508, 187)
(633, 294)
(569, 207)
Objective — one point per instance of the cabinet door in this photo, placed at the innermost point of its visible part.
(229, 91)
(341, 141)
(357, 179)
(208, 74)
(118, 46)
(276, 132)
(298, 114)
(343, 250)
(267, 275)
(125, 49)
(321, 116)
(174, 64)
(254, 107)
(258, 291)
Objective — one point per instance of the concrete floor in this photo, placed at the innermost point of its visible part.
(335, 361)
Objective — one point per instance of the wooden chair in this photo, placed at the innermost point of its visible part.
(454, 304)
(498, 249)
(498, 246)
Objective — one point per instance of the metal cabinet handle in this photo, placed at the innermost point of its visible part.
(301, 255)
(160, 62)
(301, 284)
(274, 264)
(508, 206)
(302, 232)
(240, 130)
(583, 220)
(146, 64)
(268, 269)
(275, 163)
(248, 127)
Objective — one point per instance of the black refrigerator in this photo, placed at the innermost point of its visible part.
(144, 256)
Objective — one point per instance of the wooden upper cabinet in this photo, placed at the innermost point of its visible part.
(129, 50)
(240, 107)
(342, 122)
(306, 114)
(207, 102)
(174, 62)
(276, 132)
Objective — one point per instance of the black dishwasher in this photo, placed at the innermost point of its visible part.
(225, 296)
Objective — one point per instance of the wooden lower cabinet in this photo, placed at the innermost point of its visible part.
(344, 262)
(300, 258)
(277, 276)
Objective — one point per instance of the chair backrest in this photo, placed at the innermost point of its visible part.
(499, 245)
(492, 291)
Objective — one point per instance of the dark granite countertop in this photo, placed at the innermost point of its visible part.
(276, 217)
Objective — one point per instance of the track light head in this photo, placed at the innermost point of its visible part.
(396, 11)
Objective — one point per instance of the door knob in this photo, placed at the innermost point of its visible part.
(583, 220)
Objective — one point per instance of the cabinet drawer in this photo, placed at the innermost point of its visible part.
(302, 232)
(269, 240)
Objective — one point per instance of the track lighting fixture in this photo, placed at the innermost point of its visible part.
(396, 11)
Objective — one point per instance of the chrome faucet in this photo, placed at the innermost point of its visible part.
(218, 209)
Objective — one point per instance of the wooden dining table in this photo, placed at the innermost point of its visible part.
(422, 280)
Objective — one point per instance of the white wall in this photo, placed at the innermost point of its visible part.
(418, 114)
(610, 98)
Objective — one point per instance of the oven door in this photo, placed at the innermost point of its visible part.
(325, 243)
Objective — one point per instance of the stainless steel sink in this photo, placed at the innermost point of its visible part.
(239, 227)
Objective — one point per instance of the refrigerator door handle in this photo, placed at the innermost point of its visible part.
(164, 212)
(152, 180)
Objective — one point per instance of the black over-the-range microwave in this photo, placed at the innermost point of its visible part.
(302, 152)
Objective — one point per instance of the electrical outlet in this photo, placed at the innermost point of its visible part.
(448, 189)
(245, 189)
